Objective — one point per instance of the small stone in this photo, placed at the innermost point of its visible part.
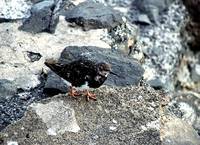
(112, 128)
(114, 121)
(143, 19)
(33, 56)
(156, 83)
(12, 143)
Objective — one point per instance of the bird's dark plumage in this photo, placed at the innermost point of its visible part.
(81, 71)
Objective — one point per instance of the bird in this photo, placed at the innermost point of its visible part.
(82, 73)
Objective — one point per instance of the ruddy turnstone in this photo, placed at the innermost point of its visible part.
(82, 72)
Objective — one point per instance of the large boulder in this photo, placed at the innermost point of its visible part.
(44, 16)
(150, 8)
(92, 15)
(119, 116)
(130, 72)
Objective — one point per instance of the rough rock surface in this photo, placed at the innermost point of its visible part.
(162, 47)
(14, 9)
(43, 17)
(119, 116)
(92, 15)
(151, 8)
(129, 70)
(177, 132)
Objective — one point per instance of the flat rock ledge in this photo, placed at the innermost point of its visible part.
(128, 115)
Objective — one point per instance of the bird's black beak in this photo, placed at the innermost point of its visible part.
(114, 74)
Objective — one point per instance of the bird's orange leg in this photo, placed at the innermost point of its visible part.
(90, 95)
(73, 92)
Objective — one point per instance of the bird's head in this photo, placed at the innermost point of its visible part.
(103, 69)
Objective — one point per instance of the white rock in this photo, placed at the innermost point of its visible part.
(59, 117)
(12, 143)
(14, 9)
(112, 128)
(114, 121)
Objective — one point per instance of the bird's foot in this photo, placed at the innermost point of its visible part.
(90, 96)
(73, 92)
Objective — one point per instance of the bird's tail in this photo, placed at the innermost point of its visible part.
(53, 65)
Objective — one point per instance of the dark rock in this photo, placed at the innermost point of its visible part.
(143, 19)
(2, 20)
(156, 83)
(44, 16)
(92, 15)
(153, 8)
(40, 18)
(36, 1)
(54, 84)
(60, 5)
(33, 56)
(130, 71)
(193, 7)
(191, 35)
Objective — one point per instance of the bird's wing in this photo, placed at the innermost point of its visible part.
(79, 71)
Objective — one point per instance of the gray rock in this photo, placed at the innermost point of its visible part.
(152, 8)
(156, 83)
(130, 71)
(36, 1)
(178, 132)
(55, 84)
(92, 15)
(196, 73)
(189, 105)
(33, 56)
(143, 19)
(44, 16)
(40, 18)
(111, 119)
(7, 88)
